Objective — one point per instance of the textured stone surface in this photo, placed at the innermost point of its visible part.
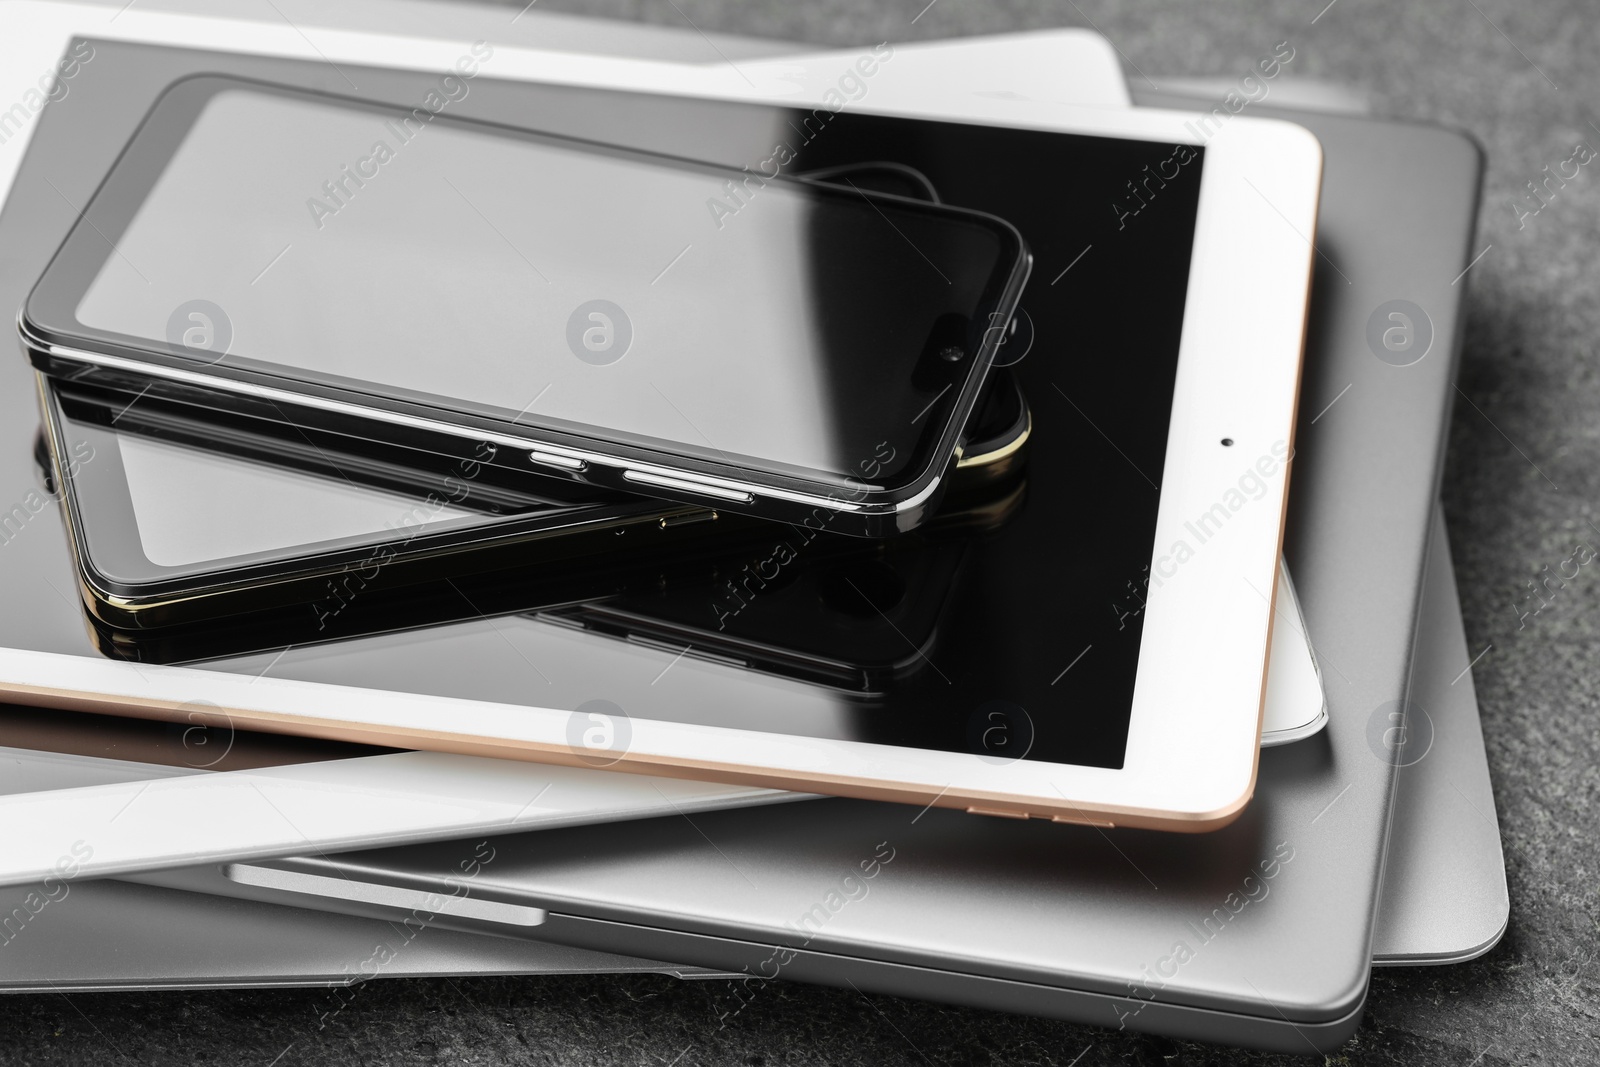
(1522, 487)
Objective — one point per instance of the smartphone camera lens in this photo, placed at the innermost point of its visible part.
(943, 352)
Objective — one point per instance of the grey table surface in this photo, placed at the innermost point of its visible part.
(1521, 493)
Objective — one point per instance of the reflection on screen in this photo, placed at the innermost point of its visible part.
(192, 506)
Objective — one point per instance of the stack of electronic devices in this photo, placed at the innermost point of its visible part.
(818, 516)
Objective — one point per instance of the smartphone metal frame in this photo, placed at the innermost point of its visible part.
(867, 506)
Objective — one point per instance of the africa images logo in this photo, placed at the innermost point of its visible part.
(202, 328)
(599, 332)
(1399, 333)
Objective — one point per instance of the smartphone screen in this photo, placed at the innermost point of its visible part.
(739, 316)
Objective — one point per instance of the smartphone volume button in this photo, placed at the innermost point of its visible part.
(685, 485)
(999, 813)
(686, 518)
(570, 464)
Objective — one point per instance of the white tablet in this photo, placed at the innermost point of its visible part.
(1156, 722)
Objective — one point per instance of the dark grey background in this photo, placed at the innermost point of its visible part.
(1522, 487)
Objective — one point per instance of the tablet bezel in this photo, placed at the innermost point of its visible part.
(1188, 766)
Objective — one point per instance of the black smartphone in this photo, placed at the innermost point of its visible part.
(737, 338)
(240, 531)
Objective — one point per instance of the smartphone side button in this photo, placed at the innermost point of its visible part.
(1075, 821)
(687, 518)
(997, 813)
(564, 463)
(684, 485)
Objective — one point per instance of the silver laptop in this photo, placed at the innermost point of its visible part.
(1444, 893)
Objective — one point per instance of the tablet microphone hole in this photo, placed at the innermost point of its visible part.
(1227, 442)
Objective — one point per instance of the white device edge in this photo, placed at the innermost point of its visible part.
(180, 817)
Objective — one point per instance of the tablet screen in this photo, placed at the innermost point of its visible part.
(1038, 620)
